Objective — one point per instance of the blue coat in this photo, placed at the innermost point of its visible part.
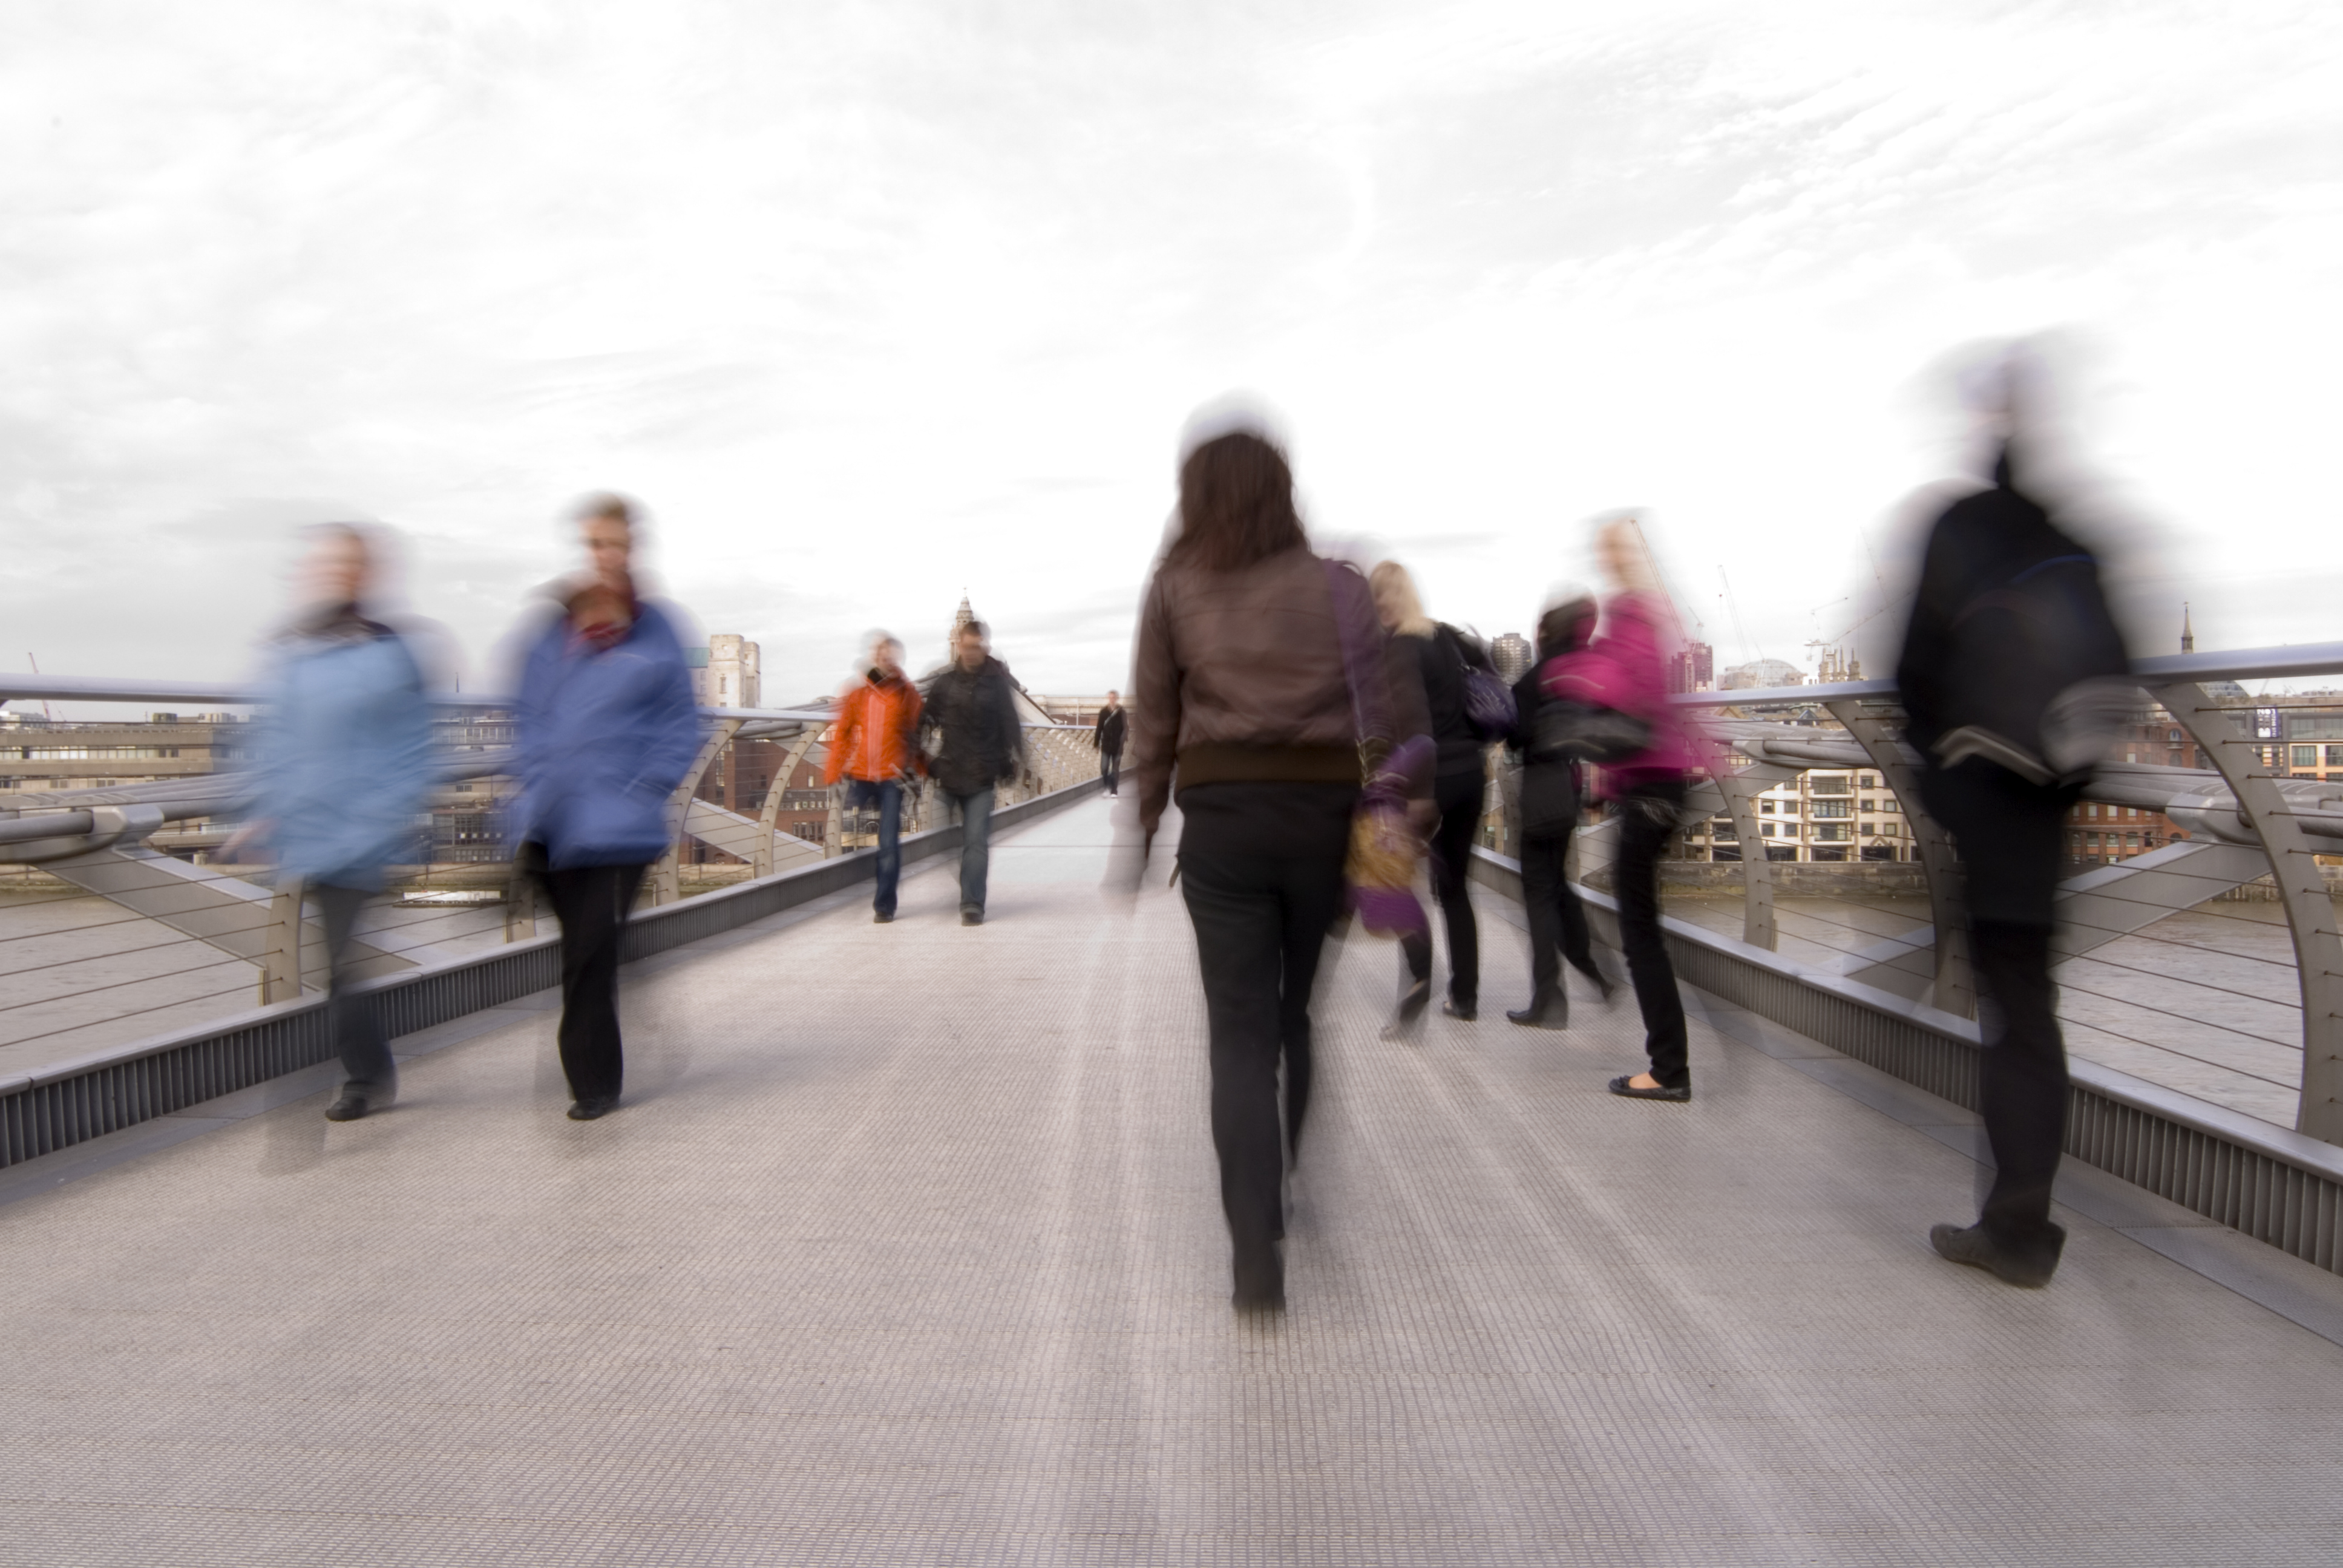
(345, 751)
(604, 738)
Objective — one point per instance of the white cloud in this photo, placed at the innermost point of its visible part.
(878, 305)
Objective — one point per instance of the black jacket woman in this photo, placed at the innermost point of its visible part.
(1431, 658)
(1550, 801)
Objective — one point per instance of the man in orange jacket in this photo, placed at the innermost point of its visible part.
(873, 743)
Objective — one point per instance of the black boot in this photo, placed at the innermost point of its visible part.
(1260, 1278)
(1548, 1009)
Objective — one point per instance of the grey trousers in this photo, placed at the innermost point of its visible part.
(367, 1063)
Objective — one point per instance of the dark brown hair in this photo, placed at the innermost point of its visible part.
(1236, 505)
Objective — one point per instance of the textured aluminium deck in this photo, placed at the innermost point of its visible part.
(906, 1248)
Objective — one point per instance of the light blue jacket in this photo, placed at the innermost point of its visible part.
(345, 751)
(604, 738)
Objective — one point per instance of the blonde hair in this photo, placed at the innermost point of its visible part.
(1626, 555)
(1394, 593)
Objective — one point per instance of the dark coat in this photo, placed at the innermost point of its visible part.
(969, 728)
(1108, 731)
(1550, 785)
(1440, 661)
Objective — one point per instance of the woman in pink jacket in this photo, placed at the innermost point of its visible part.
(1624, 670)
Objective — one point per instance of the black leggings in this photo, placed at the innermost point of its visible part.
(1260, 923)
(1648, 816)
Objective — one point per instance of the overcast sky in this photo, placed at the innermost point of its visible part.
(874, 305)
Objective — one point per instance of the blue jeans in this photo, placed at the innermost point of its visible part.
(975, 844)
(888, 796)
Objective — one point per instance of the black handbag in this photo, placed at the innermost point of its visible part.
(1578, 732)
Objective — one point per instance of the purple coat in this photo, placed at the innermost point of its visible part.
(1625, 668)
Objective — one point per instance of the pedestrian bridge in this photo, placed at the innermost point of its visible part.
(906, 1247)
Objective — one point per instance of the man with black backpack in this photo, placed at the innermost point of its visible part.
(2011, 672)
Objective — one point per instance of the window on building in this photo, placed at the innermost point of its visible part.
(1868, 783)
(1834, 808)
(2334, 755)
(2175, 738)
(2306, 756)
(1869, 806)
(1830, 784)
(1831, 832)
(2131, 840)
(1765, 808)
(1765, 829)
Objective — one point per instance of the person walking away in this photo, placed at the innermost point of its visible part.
(874, 745)
(1243, 698)
(1623, 672)
(2013, 679)
(1108, 733)
(1441, 654)
(1550, 794)
(971, 714)
(346, 767)
(606, 730)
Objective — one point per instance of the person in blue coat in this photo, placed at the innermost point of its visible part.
(345, 771)
(606, 729)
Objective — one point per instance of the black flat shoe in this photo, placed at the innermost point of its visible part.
(348, 1108)
(2030, 1270)
(1463, 1012)
(969, 915)
(879, 920)
(1625, 1086)
(590, 1110)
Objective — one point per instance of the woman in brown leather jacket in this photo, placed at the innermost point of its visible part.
(1242, 688)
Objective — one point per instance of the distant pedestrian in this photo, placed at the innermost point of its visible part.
(1441, 656)
(874, 745)
(971, 714)
(1550, 790)
(1255, 679)
(606, 731)
(1621, 677)
(2014, 677)
(1108, 732)
(346, 767)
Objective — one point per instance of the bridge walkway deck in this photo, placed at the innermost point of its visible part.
(906, 1248)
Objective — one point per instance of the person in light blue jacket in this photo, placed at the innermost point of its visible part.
(607, 729)
(345, 772)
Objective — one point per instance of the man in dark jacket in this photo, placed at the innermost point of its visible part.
(2008, 630)
(1108, 733)
(970, 734)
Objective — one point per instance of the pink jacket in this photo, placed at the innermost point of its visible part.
(1625, 668)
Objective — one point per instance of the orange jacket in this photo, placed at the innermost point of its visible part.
(875, 736)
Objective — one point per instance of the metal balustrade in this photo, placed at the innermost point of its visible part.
(1902, 999)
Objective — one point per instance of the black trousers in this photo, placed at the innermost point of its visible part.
(1458, 798)
(1261, 921)
(1110, 770)
(592, 903)
(2007, 833)
(1558, 920)
(1648, 817)
(367, 1063)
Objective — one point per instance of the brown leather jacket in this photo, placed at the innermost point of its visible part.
(1240, 676)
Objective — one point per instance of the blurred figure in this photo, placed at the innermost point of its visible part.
(1108, 733)
(2015, 681)
(874, 744)
(1435, 657)
(971, 714)
(1621, 677)
(1256, 676)
(606, 730)
(346, 767)
(1549, 815)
